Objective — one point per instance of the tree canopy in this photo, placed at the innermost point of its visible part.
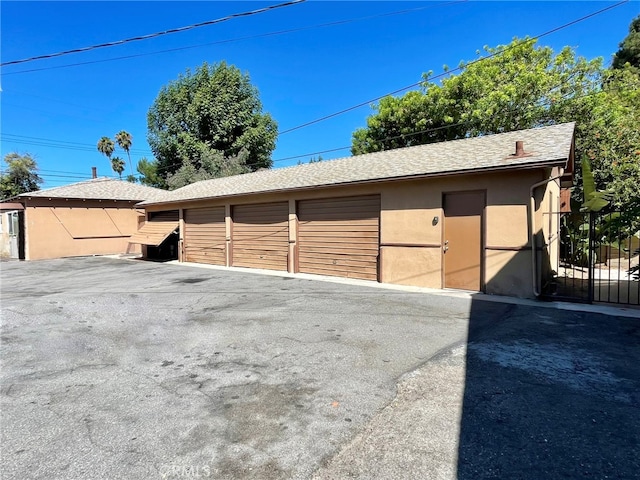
(518, 86)
(207, 120)
(124, 140)
(20, 176)
(629, 52)
(149, 173)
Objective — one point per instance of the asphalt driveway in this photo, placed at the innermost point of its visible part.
(129, 369)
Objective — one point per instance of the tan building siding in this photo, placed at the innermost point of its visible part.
(411, 221)
(62, 228)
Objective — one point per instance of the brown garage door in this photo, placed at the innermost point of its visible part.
(261, 235)
(339, 236)
(205, 236)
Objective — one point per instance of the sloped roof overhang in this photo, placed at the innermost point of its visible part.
(561, 162)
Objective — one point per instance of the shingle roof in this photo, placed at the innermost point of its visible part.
(544, 146)
(100, 189)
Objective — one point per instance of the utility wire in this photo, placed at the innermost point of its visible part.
(405, 135)
(441, 127)
(47, 142)
(319, 152)
(154, 35)
(249, 37)
(448, 72)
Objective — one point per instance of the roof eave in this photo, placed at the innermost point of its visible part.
(529, 166)
(45, 197)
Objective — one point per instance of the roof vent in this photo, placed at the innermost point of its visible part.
(520, 153)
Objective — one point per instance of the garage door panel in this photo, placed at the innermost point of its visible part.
(324, 250)
(347, 272)
(261, 235)
(335, 215)
(341, 226)
(339, 236)
(165, 216)
(205, 235)
(256, 233)
(264, 246)
(258, 254)
(211, 255)
(333, 233)
(339, 260)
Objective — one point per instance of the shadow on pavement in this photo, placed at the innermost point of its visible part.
(549, 395)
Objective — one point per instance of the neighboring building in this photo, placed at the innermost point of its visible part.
(95, 217)
(465, 214)
(11, 217)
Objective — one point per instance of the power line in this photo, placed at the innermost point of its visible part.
(154, 35)
(77, 177)
(448, 72)
(48, 142)
(319, 152)
(442, 127)
(396, 137)
(249, 37)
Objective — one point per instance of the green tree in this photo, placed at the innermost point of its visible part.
(20, 176)
(516, 86)
(106, 147)
(519, 86)
(607, 134)
(117, 165)
(211, 165)
(124, 139)
(629, 52)
(212, 113)
(149, 173)
(312, 160)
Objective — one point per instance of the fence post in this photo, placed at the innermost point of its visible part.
(591, 267)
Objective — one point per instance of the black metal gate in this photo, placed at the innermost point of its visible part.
(599, 255)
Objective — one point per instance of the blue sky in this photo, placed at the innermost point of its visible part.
(58, 111)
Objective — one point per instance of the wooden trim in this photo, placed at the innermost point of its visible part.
(181, 235)
(228, 222)
(509, 249)
(411, 245)
(379, 256)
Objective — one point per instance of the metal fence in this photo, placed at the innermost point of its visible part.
(599, 256)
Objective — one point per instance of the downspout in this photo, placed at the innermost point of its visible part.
(534, 259)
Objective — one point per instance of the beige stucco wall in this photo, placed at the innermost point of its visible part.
(65, 228)
(5, 248)
(411, 237)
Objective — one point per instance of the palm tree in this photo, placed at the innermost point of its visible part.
(123, 139)
(106, 147)
(117, 165)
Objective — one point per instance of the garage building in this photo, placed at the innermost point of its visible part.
(466, 214)
(94, 217)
